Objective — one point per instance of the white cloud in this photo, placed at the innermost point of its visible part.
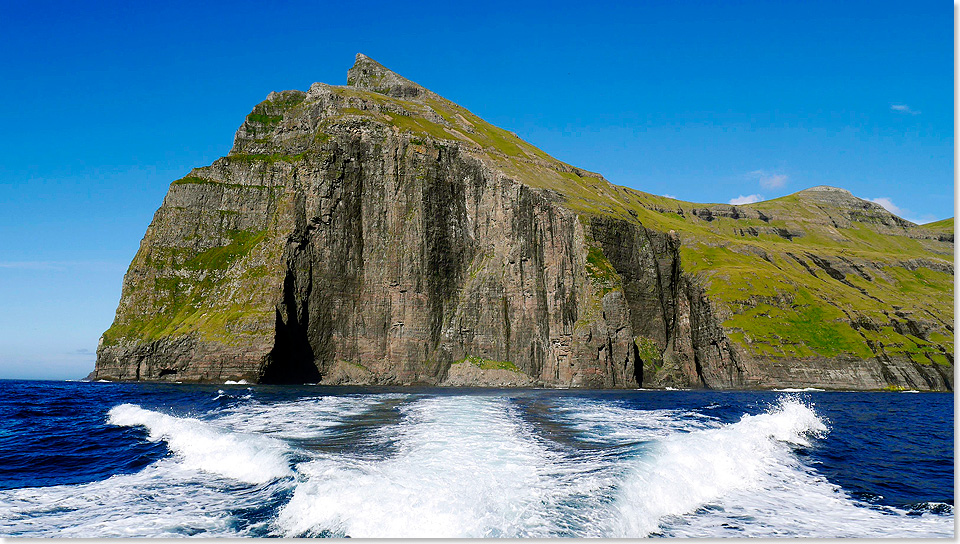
(749, 199)
(924, 219)
(670, 196)
(769, 180)
(903, 108)
(888, 205)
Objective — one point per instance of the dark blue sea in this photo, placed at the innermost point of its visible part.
(127, 460)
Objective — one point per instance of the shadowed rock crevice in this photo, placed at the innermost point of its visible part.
(292, 359)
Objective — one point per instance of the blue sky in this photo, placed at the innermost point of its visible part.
(704, 101)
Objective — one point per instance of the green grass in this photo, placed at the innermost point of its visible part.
(219, 258)
(182, 293)
(487, 364)
(264, 119)
(269, 158)
(648, 351)
(194, 180)
(944, 225)
(601, 273)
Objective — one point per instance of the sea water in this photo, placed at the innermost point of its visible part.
(127, 460)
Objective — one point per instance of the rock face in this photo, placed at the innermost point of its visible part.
(376, 233)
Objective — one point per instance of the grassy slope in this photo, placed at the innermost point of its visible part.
(774, 299)
(944, 225)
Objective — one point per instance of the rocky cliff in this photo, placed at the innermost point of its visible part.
(376, 233)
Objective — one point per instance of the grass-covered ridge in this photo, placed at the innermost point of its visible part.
(818, 273)
(944, 225)
(184, 288)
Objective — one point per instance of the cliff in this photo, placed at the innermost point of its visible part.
(377, 233)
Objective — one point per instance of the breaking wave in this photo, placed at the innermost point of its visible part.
(202, 446)
(468, 466)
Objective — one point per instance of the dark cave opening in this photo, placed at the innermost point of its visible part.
(291, 361)
(637, 365)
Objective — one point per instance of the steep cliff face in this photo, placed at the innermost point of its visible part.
(376, 233)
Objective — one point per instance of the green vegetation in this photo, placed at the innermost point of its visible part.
(218, 258)
(648, 351)
(601, 273)
(193, 180)
(944, 225)
(487, 364)
(264, 119)
(270, 158)
(180, 293)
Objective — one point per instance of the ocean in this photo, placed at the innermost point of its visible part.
(128, 460)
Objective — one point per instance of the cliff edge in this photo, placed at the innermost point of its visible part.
(377, 233)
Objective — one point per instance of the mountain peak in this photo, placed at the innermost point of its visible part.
(370, 75)
(826, 189)
(851, 206)
(834, 195)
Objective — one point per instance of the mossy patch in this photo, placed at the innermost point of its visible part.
(217, 258)
(601, 273)
(487, 364)
(181, 293)
(269, 158)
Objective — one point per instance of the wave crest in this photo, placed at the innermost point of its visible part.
(200, 446)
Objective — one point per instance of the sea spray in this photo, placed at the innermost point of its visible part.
(201, 446)
(517, 463)
(465, 469)
(684, 472)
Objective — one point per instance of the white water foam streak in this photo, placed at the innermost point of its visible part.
(201, 446)
(745, 479)
(163, 499)
(307, 418)
(687, 471)
(466, 467)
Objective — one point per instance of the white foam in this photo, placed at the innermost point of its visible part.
(611, 423)
(164, 499)
(299, 419)
(686, 471)
(465, 468)
(237, 382)
(744, 479)
(201, 446)
(799, 390)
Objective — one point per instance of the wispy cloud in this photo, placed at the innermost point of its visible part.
(903, 108)
(59, 265)
(769, 180)
(888, 205)
(32, 265)
(670, 196)
(749, 199)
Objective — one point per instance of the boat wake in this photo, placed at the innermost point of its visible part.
(466, 466)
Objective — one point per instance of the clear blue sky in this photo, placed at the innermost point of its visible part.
(706, 101)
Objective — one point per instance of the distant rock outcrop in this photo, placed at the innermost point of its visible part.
(376, 233)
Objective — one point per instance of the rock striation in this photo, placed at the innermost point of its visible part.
(377, 233)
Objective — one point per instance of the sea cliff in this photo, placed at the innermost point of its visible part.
(377, 233)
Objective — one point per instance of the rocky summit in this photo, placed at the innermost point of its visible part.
(377, 233)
